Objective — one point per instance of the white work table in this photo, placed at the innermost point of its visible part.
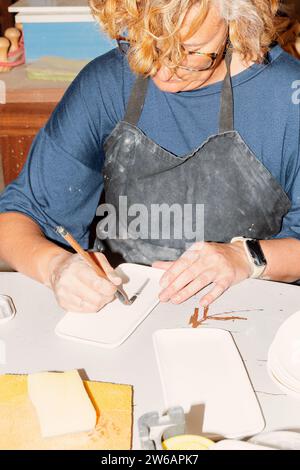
(31, 344)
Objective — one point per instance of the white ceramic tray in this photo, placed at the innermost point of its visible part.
(202, 371)
(112, 325)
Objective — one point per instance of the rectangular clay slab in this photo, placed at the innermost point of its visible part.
(202, 371)
(113, 324)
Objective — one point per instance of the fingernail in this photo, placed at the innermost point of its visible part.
(115, 278)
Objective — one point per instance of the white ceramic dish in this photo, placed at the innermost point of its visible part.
(281, 440)
(231, 444)
(286, 346)
(281, 375)
(282, 385)
(284, 356)
(203, 368)
(112, 325)
(275, 364)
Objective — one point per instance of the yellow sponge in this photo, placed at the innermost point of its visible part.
(19, 425)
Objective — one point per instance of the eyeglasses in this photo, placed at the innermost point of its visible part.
(199, 61)
(123, 45)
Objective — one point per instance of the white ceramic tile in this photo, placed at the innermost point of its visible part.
(113, 324)
(203, 369)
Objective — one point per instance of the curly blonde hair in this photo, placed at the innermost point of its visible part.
(153, 27)
(288, 31)
(288, 26)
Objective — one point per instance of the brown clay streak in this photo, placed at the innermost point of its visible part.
(194, 319)
(227, 318)
(195, 322)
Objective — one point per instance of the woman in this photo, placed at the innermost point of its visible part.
(198, 111)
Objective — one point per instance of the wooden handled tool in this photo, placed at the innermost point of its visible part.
(120, 293)
(13, 35)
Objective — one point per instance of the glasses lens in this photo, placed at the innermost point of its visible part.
(124, 46)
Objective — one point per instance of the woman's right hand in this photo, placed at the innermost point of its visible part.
(76, 285)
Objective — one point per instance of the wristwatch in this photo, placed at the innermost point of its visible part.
(254, 254)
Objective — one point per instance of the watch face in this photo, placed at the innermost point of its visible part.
(256, 252)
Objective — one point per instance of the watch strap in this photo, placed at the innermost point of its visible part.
(254, 254)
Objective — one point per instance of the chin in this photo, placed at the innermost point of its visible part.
(172, 86)
(175, 86)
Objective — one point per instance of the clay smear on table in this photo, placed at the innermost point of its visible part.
(195, 322)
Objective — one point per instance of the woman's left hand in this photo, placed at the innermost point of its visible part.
(204, 263)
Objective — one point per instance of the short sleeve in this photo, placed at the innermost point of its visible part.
(291, 174)
(291, 222)
(61, 181)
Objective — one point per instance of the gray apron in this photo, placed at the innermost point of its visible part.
(240, 196)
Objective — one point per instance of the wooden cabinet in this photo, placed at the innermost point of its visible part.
(19, 123)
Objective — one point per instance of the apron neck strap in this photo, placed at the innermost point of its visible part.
(227, 107)
(138, 94)
(136, 101)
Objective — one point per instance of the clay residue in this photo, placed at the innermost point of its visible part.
(196, 322)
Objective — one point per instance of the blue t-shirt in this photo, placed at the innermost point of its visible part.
(62, 181)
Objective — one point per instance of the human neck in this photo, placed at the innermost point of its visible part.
(237, 66)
